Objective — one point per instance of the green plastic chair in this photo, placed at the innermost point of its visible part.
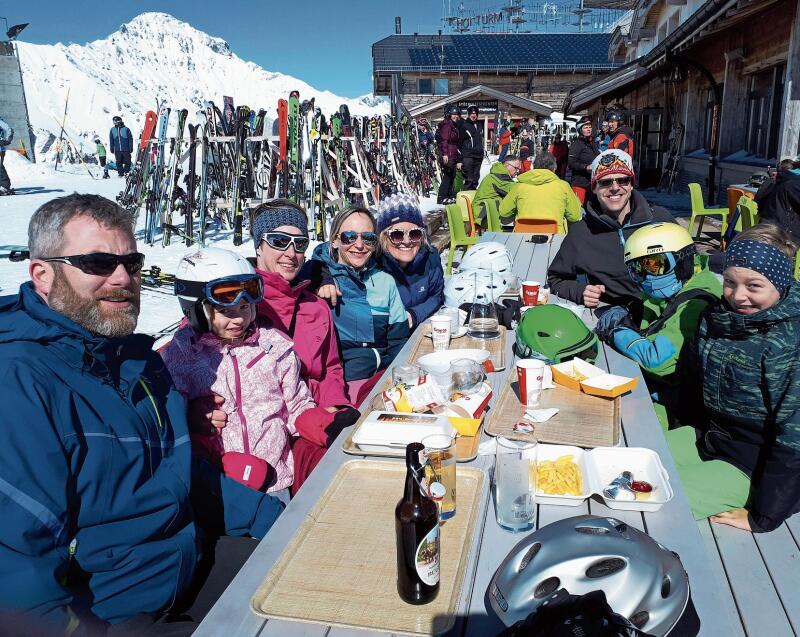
(797, 266)
(458, 234)
(748, 213)
(700, 212)
(493, 216)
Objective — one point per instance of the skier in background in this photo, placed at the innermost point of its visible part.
(603, 138)
(101, 155)
(471, 148)
(621, 134)
(6, 135)
(447, 139)
(504, 141)
(120, 141)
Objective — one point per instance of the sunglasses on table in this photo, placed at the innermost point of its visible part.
(224, 292)
(349, 237)
(282, 240)
(102, 263)
(607, 183)
(415, 235)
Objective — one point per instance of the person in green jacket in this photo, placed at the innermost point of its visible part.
(657, 333)
(101, 155)
(494, 187)
(540, 194)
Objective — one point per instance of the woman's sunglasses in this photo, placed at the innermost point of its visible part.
(349, 237)
(281, 241)
(102, 263)
(398, 236)
(607, 183)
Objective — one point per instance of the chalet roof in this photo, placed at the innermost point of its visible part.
(482, 92)
(492, 51)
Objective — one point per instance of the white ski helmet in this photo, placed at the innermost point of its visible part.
(464, 286)
(199, 267)
(487, 256)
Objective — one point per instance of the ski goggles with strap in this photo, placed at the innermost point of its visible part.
(349, 237)
(398, 236)
(224, 292)
(102, 263)
(282, 240)
(652, 264)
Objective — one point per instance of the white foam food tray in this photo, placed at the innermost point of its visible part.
(389, 431)
(599, 466)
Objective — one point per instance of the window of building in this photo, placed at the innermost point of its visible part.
(441, 87)
(662, 32)
(425, 87)
(428, 86)
(764, 112)
(674, 21)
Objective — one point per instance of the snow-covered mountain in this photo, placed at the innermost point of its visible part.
(152, 57)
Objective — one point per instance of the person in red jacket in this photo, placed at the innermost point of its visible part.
(447, 141)
(559, 149)
(621, 134)
(280, 234)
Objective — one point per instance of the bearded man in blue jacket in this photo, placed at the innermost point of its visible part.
(106, 519)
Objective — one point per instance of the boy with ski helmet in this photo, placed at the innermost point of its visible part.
(676, 287)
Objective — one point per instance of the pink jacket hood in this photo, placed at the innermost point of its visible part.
(313, 335)
(259, 378)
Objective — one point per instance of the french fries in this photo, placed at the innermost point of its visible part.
(559, 477)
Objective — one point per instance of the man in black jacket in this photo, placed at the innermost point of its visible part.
(779, 201)
(471, 149)
(589, 267)
(581, 155)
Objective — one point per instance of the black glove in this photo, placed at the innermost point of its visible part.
(345, 417)
(612, 318)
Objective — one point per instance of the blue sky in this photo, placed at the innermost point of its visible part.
(326, 44)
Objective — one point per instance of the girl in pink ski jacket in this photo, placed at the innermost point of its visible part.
(259, 378)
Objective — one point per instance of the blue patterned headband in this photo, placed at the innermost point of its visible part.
(765, 259)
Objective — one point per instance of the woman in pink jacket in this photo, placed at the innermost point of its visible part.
(224, 350)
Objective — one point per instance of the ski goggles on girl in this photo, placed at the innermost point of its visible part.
(398, 236)
(282, 240)
(610, 181)
(102, 263)
(349, 237)
(223, 292)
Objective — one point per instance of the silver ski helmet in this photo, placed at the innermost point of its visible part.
(643, 581)
(199, 268)
(467, 285)
(490, 255)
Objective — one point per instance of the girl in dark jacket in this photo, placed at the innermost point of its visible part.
(742, 466)
(447, 139)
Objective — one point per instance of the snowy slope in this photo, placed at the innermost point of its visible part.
(154, 56)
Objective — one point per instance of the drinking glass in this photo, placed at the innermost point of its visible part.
(441, 453)
(515, 484)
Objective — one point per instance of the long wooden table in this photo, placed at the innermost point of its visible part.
(721, 609)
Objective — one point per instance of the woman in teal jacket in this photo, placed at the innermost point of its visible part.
(370, 317)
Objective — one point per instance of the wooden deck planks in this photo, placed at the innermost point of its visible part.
(759, 605)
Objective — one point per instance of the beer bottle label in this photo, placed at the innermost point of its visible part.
(427, 558)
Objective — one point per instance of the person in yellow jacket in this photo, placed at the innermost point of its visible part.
(540, 194)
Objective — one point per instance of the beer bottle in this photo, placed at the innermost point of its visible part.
(417, 527)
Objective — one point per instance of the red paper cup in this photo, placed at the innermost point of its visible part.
(530, 292)
(530, 376)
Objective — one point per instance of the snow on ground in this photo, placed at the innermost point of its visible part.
(38, 183)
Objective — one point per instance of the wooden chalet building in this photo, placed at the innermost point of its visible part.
(711, 85)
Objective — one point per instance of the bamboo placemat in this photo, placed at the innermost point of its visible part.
(340, 567)
(497, 346)
(466, 446)
(582, 420)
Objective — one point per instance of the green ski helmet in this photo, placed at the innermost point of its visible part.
(554, 334)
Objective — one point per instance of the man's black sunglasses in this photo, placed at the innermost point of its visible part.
(282, 240)
(102, 263)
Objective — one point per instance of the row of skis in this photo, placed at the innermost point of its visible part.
(212, 174)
